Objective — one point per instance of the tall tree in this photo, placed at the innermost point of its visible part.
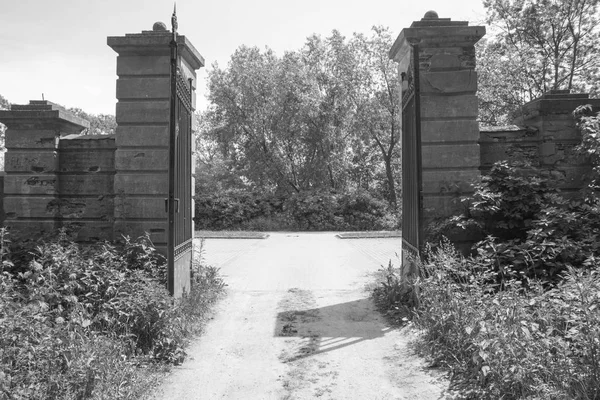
(553, 43)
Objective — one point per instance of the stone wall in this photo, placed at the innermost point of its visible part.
(544, 134)
(56, 177)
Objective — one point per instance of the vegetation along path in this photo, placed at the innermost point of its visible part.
(298, 323)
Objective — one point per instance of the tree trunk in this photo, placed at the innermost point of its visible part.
(391, 184)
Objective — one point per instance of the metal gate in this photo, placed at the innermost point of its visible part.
(179, 204)
(412, 198)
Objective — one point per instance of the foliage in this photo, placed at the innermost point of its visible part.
(588, 124)
(320, 118)
(523, 228)
(511, 343)
(100, 124)
(77, 321)
(316, 210)
(536, 46)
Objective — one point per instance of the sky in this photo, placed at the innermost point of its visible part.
(58, 47)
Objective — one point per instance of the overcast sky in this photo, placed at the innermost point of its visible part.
(58, 47)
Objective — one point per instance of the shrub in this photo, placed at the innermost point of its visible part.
(511, 343)
(77, 320)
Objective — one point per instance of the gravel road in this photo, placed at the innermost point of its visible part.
(297, 323)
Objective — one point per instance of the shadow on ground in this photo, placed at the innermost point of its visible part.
(331, 327)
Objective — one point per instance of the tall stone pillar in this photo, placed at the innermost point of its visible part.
(449, 107)
(142, 136)
(31, 186)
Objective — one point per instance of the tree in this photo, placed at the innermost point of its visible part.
(540, 45)
(100, 124)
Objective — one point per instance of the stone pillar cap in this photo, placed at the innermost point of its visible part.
(155, 42)
(42, 111)
(432, 31)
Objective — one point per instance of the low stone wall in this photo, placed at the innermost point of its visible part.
(56, 177)
(546, 135)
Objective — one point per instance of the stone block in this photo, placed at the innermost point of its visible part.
(144, 112)
(31, 139)
(438, 206)
(143, 65)
(134, 87)
(17, 207)
(461, 130)
(31, 161)
(25, 231)
(87, 161)
(140, 207)
(86, 184)
(64, 208)
(449, 82)
(23, 184)
(90, 231)
(142, 136)
(135, 229)
(450, 156)
(449, 182)
(435, 107)
(142, 160)
(142, 183)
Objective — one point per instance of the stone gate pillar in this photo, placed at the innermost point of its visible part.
(142, 137)
(32, 204)
(449, 107)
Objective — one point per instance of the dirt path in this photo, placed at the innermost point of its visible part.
(298, 324)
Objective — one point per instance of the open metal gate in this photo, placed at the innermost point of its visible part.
(412, 198)
(179, 204)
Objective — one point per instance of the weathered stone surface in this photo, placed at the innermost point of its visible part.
(31, 161)
(142, 159)
(86, 184)
(87, 161)
(140, 207)
(151, 111)
(141, 136)
(44, 115)
(25, 231)
(449, 82)
(451, 156)
(440, 107)
(449, 182)
(64, 208)
(31, 138)
(24, 184)
(143, 87)
(90, 231)
(142, 183)
(134, 229)
(143, 65)
(182, 276)
(462, 130)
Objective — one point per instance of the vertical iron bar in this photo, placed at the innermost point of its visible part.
(419, 163)
(172, 131)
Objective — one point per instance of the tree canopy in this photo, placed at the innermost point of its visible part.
(321, 117)
(536, 46)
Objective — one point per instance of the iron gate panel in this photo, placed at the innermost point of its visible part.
(180, 234)
(412, 207)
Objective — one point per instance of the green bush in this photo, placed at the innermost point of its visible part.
(511, 343)
(78, 320)
(316, 211)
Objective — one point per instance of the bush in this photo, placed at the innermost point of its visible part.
(511, 343)
(77, 320)
(316, 211)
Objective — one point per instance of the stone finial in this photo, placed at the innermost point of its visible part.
(159, 27)
(431, 15)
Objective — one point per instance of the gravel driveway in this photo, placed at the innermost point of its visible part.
(298, 324)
